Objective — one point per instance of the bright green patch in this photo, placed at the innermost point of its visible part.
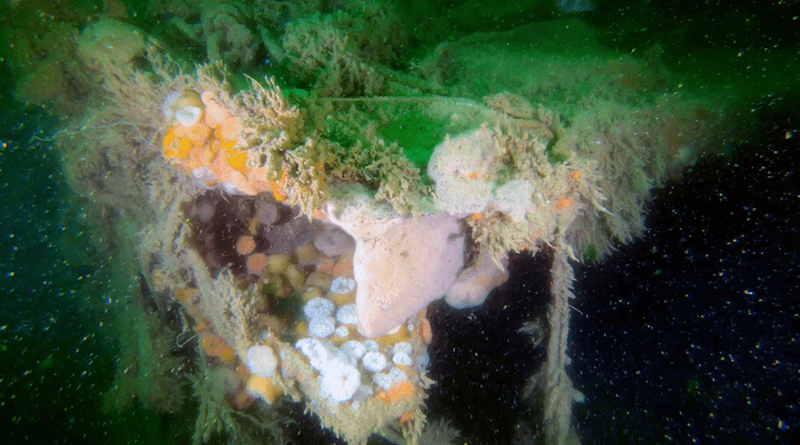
(417, 134)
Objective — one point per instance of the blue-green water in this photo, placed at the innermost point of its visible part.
(55, 359)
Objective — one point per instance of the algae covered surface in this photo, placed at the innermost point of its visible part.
(374, 222)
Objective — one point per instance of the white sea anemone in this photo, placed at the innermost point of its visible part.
(402, 359)
(339, 381)
(402, 353)
(261, 361)
(184, 107)
(402, 346)
(386, 379)
(188, 116)
(318, 353)
(318, 308)
(374, 361)
(166, 105)
(343, 285)
(341, 332)
(353, 349)
(321, 327)
(347, 314)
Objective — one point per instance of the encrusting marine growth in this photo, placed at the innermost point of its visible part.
(301, 247)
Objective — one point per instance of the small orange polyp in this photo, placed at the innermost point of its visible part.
(169, 148)
(229, 128)
(200, 324)
(343, 268)
(238, 161)
(425, 330)
(563, 203)
(183, 295)
(208, 148)
(227, 144)
(176, 146)
(215, 346)
(184, 148)
(399, 391)
(241, 400)
(264, 388)
(198, 133)
(278, 192)
(243, 372)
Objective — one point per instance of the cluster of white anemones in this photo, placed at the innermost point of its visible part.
(341, 368)
(324, 319)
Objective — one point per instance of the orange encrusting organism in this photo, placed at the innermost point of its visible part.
(184, 295)
(326, 264)
(425, 330)
(279, 188)
(529, 242)
(343, 268)
(215, 346)
(319, 214)
(278, 191)
(563, 203)
(399, 391)
(192, 307)
(264, 388)
(208, 147)
(238, 161)
(245, 245)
